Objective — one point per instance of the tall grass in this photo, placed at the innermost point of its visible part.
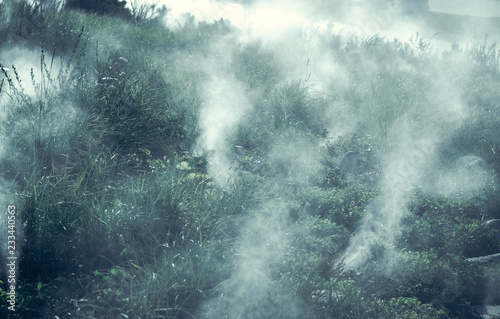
(119, 219)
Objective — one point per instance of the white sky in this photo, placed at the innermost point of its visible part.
(266, 19)
(488, 8)
(462, 7)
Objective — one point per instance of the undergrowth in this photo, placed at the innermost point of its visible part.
(118, 218)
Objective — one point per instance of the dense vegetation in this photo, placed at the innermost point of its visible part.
(121, 217)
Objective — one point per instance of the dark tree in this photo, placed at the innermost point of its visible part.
(109, 7)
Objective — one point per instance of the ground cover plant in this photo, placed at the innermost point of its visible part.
(188, 170)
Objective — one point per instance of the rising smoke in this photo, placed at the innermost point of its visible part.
(225, 104)
(418, 128)
(410, 160)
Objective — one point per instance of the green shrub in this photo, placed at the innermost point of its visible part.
(255, 66)
(137, 107)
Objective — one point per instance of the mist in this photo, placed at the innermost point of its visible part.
(446, 22)
(411, 157)
(307, 132)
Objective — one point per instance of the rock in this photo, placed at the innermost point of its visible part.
(493, 224)
(485, 259)
(351, 162)
(123, 61)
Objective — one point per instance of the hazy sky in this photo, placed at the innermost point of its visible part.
(267, 19)
(465, 7)
(477, 7)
